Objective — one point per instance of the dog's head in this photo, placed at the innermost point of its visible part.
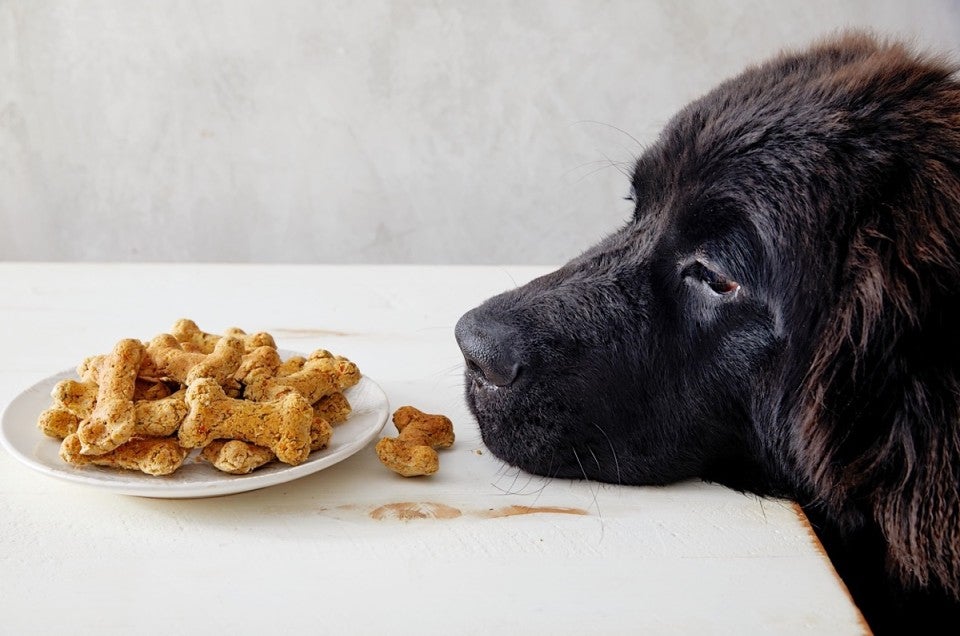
(781, 314)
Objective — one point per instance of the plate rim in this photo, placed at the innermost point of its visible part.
(230, 484)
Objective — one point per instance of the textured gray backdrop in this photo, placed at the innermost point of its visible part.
(416, 131)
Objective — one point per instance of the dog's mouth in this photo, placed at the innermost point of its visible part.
(530, 421)
(506, 427)
(534, 410)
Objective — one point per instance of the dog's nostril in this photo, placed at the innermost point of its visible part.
(495, 371)
(500, 375)
(488, 348)
(472, 365)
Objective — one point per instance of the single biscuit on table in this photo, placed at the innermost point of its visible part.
(282, 425)
(113, 418)
(235, 456)
(413, 451)
(173, 362)
(154, 456)
(417, 427)
(407, 460)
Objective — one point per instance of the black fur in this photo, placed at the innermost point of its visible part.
(781, 315)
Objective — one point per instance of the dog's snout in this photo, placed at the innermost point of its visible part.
(489, 347)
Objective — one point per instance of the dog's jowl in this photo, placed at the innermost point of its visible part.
(781, 315)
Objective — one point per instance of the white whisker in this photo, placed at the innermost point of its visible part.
(616, 461)
(595, 493)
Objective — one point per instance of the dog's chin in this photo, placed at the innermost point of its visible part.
(507, 429)
(522, 428)
(553, 428)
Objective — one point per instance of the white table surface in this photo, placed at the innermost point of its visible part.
(331, 552)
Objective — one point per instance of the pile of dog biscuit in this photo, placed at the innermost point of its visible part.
(145, 406)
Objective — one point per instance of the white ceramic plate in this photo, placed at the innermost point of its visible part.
(22, 439)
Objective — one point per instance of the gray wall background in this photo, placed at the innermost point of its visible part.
(362, 131)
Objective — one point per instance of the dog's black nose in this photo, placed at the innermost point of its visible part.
(489, 346)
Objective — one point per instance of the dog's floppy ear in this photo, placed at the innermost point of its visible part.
(879, 417)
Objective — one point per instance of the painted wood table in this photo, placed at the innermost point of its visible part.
(478, 548)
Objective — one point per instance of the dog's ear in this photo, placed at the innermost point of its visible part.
(879, 413)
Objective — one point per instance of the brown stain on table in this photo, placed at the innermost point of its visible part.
(511, 511)
(406, 510)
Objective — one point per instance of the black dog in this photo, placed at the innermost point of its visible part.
(781, 315)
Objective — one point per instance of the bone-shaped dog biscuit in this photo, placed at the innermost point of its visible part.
(290, 365)
(58, 422)
(221, 363)
(282, 425)
(235, 456)
(113, 418)
(413, 452)
(419, 428)
(240, 458)
(260, 360)
(322, 375)
(252, 340)
(160, 418)
(154, 456)
(153, 418)
(320, 433)
(148, 386)
(183, 366)
(79, 398)
(89, 371)
(334, 408)
(346, 371)
(187, 331)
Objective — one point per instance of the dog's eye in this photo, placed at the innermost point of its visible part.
(723, 286)
(717, 283)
